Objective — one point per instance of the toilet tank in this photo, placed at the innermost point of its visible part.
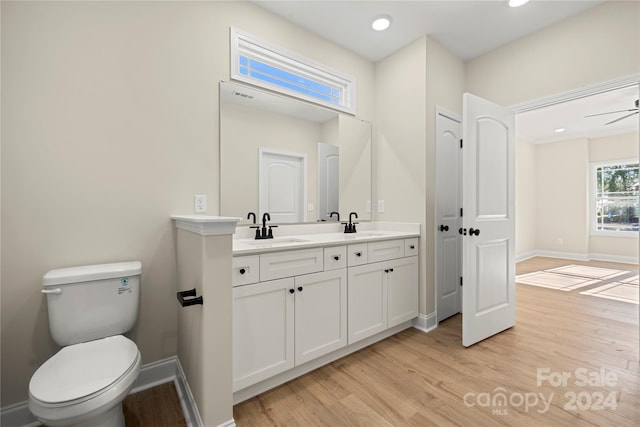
(93, 301)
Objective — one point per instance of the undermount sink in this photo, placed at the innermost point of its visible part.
(275, 241)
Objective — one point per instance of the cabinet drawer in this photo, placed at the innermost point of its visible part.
(385, 250)
(286, 264)
(411, 247)
(356, 254)
(246, 270)
(335, 258)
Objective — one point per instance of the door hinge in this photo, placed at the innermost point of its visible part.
(460, 280)
(460, 143)
(460, 211)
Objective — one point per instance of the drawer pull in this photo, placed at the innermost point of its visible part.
(337, 257)
(412, 246)
(242, 271)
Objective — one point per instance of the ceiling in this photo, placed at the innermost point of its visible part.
(538, 126)
(468, 29)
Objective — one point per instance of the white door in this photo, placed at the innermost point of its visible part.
(488, 170)
(402, 290)
(366, 301)
(263, 331)
(448, 204)
(321, 314)
(282, 185)
(328, 181)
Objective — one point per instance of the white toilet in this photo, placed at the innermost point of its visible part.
(85, 383)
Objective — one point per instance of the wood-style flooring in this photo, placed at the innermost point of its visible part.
(571, 359)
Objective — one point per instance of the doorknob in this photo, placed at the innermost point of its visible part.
(444, 228)
(474, 231)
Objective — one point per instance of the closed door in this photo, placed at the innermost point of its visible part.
(263, 331)
(328, 181)
(488, 247)
(282, 184)
(448, 204)
(321, 314)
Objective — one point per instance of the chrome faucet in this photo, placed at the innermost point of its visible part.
(350, 227)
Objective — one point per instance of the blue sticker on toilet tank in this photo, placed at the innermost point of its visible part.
(124, 282)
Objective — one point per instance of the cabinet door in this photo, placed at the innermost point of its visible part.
(263, 331)
(321, 314)
(367, 301)
(402, 290)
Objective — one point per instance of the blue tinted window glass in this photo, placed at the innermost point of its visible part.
(243, 60)
(289, 77)
(288, 85)
(244, 71)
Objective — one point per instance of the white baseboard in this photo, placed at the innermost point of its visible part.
(425, 322)
(578, 256)
(151, 375)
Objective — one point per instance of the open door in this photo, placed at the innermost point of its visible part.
(488, 230)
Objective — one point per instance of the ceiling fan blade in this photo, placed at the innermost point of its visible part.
(611, 112)
(621, 118)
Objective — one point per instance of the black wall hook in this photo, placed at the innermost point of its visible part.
(191, 301)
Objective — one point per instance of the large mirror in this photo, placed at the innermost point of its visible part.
(297, 161)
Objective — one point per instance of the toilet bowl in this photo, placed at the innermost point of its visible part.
(89, 307)
(84, 384)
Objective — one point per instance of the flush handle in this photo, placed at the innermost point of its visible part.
(56, 291)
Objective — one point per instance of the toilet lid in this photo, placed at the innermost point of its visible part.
(80, 370)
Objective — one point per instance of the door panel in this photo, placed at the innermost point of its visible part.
(449, 200)
(488, 246)
(328, 180)
(282, 183)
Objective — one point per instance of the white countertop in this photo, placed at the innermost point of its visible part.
(296, 239)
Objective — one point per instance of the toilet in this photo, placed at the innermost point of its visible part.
(85, 382)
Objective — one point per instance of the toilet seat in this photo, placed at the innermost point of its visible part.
(82, 371)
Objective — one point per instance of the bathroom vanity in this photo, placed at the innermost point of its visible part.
(315, 295)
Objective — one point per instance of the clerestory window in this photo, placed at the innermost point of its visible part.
(262, 64)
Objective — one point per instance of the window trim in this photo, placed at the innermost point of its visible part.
(593, 180)
(243, 44)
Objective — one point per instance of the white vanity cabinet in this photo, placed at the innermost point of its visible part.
(383, 294)
(292, 307)
(282, 323)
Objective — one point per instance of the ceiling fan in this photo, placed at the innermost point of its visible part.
(633, 111)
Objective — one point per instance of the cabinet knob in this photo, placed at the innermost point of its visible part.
(291, 291)
(412, 246)
(300, 288)
(336, 257)
(358, 253)
(391, 270)
(386, 270)
(242, 271)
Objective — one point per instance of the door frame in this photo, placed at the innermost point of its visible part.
(594, 89)
(303, 157)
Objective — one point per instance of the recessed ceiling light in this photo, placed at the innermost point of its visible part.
(559, 130)
(381, 23)
(517, 3)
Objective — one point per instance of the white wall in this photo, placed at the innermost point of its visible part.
(110, 125)
(553, 198)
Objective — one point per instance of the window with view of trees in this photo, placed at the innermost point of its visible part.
(615, 200)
